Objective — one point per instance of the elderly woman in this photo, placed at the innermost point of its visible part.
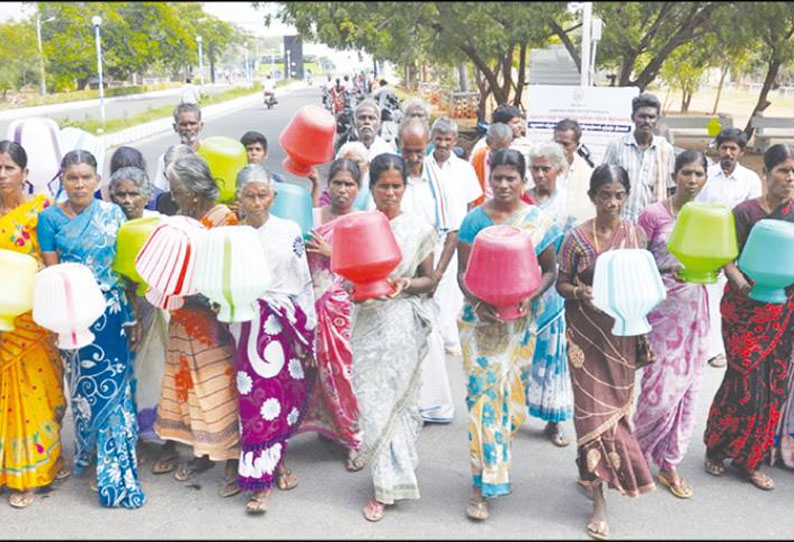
(30, 367)
(417, 108)
(164, 202)
(333, 408)
(83, 230)
(130, 189)
(198, 401)
(602, 365)
(389, 342)
(274, 352)
(499, 136)
(665, 412)
(746, 410)
(547, 382)
(494, 351)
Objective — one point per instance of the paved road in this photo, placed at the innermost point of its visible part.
(545, 503)
(125, 106)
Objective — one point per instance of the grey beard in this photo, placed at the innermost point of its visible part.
(188, 139)
(727, 163)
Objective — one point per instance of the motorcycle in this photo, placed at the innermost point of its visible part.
(270, 99)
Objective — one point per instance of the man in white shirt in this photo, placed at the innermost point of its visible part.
(190, 93)
(188, 124)
(568, 134)
(647, 158)
(461, 186)
(367, 124)
(426, 199)
(730, 183)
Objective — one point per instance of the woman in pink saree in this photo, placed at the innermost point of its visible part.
(333, 409)
(665, 414)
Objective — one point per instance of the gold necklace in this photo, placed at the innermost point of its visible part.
(595, 237)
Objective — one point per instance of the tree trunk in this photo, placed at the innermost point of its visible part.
(626, 67)
(723, 73)
(763, 103)
(522, 76)
(686, 99)
(569, 45)
(463, 77)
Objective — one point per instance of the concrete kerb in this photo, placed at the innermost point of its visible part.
(148, 129)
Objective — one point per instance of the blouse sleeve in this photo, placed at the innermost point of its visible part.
(45, 231)
(470, 226)
(647, 224)
(568, 258)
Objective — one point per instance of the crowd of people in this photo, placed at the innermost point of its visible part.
(367, 375)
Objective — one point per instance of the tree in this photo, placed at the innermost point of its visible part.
(639, 36)
(773, 24)
(494, 37)
(684, 69)
(18, 55)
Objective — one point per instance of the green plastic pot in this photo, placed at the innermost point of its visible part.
(131, 237)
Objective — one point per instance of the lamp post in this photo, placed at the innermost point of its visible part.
(39, 22)
(96, 20)
(199, 39)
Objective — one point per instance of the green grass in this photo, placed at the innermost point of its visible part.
(153, 113)
(78, 95)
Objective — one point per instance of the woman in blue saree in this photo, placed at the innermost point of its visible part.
(83, 230)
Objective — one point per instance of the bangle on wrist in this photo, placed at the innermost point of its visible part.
(575, 292)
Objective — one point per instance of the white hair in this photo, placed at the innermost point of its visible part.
(355, 146)
(254, 173)
(552, 151)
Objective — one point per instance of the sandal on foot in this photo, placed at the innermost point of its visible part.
(64, 471)
(714, 467)
(286, 480)
(22, 499)
(257, 504)
(680, 488)
(229, 487)
(355, 463)
(557, 435)
(373, 511)
(189, 469)
(598, 530)
(477, 510)
(761, 480)
(718, 361)
(165, 463)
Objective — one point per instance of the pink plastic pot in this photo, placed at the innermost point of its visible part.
(365, 251)
(308, 140)
(503, 269)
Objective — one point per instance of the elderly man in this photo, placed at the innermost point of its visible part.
(568, 134)
(648, 159)
(499, 136)
(426, 198)
(367, 121)
(188, 125)
(461, 187)
(730, 183)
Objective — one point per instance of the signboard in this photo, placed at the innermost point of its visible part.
(604, 113)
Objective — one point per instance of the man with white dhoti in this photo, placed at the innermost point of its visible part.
(730, 183)
(427, 198)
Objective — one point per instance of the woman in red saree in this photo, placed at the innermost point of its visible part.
(333, 409)
(746, 410)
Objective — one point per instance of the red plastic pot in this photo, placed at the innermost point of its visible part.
(503, 269)
(308, 140)
(364, 252)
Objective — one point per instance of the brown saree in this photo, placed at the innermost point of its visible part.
(602, 373)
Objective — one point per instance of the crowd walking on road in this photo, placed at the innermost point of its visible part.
(367, 375)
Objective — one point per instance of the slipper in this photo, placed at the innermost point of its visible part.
(355, 463)
(63, 473)
(286, 480)
(761, 480)
(187, 470)
(165, 463)
(477, 510)
(257, 504)
(714, 467)
(229, 487)
(557, 435)
(22, 499)
(373, 511)
(682, 490)
(598, 530)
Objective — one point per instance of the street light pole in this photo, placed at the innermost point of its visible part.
(41, 50)
(587, 14)
(199, 39)
(97, 20)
